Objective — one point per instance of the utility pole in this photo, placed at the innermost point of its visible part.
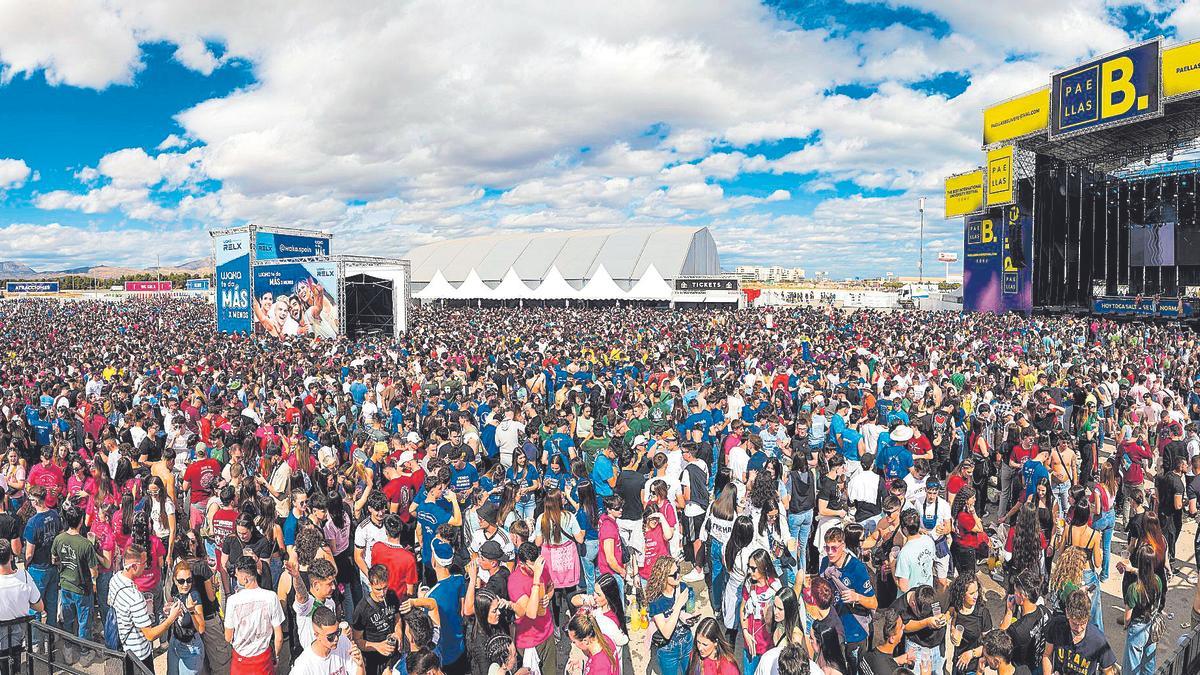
(921, 258)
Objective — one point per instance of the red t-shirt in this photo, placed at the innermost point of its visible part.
(608, 530)
(656, 547)
(401, 565)
(201, 477)
(964, 535)
(392, 490)
(50, 477)
(955, 484)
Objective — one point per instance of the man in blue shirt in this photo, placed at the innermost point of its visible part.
(464, 477)
(560, 443)
(447, 595)
(894, 458)
(432, 513)
(604, 472)
(855, 597)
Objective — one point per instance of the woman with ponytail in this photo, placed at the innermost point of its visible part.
(599, 653)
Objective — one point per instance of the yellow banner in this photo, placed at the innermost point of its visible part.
(1019, 117)
(1181, 70)
(1000, 176)
(964, 193)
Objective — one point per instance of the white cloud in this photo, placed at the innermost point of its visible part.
(77, 42)
(13, 173)
(53, 246)
(172, 142)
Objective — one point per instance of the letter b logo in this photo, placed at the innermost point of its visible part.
(987, 231)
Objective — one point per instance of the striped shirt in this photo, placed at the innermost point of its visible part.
(129, 606)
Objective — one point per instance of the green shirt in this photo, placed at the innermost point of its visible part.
(76, 556)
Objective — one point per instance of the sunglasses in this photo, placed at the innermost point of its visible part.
(183, 580)
(331, 637)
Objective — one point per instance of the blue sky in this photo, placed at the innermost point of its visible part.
(802, 132)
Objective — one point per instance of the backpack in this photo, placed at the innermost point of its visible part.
(112, 634)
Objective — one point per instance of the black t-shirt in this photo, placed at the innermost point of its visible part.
(974, 626)
(1088, 657)
(1193, 491)
(9, 527)
(498, 582)
(233, 548)
(1028, 635)
(376, 620)
(803, 487)
(629, 486)
(1169, 486)
(875, 662)
(926, 637)
(201, 573)
(832, 493)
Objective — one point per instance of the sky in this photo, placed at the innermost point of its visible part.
(801, 132)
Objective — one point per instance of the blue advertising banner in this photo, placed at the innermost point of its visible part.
(1171, 308)
(272, 246)
(1119, 88)
(233, 282)
(997, 269)
(197, 285)
(296, 299)
(31, 286)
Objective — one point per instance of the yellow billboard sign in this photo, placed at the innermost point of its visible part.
(1181, 70)
(1000, 176)
(1017, 117)
(964, 193)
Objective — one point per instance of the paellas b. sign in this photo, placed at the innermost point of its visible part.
(1119, 88)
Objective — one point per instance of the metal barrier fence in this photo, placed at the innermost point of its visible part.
(29, 647)
(1186, 658)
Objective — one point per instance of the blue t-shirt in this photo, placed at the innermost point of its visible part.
(290, 525)
(487, 436)
(855, 576)
(1033, 472)
(896, 461)
(849, 447)
(590, 531)
(663, 606)
(602, 472)
(40, 531)
(553, 480)
(837, 425)
(431, 516)
(525, 480)
(448, 594)
(42, 429)
(358, 392)
(561, 445)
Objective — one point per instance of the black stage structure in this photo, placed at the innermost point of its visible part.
(1093, 195)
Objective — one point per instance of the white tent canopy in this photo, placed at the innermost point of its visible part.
(602, 287)
(437, 288)
(554, 287)
(652, 286)
(473, 288)
(511, 287)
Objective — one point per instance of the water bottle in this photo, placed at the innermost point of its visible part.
(690, 607)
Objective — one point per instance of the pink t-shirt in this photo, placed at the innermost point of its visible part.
(608, 530)
(601, 664)
(530, 632)
(718, 667)
(656, 547)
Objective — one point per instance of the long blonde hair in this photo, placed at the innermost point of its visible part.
(552, 518)
(663, 568)
(1068, 567)
(583, 626)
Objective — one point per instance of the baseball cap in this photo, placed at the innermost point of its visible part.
(492, 550)
(406, 456)
(639, 440)
(326, 457)
(413, 437)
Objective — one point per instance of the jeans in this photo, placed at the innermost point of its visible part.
(46, 580)
(717, 590)
(1006, 487)
(102, 582)
(525, 511)
(276, 565)
(933, 654)
(1140, 651)
(673, 657)
(1060, 493)
(800, 527)
(1104, 525)
(591, 547)
(185, 658)
(1091, 579)
(749, 664)
(76, 611)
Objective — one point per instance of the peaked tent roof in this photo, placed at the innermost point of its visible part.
(652, 286)
(473, 288)
(602, 287)
(511, 287)
(554, 287)
(437, 289)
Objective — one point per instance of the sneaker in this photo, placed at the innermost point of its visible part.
(695, 576)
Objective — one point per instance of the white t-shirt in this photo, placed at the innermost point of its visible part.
(304, 612)
(691, 509)
(768, 664)
(739, 463)
(252, 614)
(366, 535)
(161, 531)
(863, 487)
(570, 527)
(337, 663)
(17, 594)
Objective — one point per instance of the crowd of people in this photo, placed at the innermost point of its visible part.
(542, 491)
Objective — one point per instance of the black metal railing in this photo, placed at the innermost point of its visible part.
(29, 647)
(1185, 660)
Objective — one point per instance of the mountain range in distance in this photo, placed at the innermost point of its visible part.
(15, 269)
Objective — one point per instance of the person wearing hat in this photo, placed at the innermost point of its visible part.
(491, 568)
(894, 458)
(447, 595)
(937, 523)
(431, 515)
(490, 531)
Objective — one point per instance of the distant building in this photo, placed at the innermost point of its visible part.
(769, 275)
